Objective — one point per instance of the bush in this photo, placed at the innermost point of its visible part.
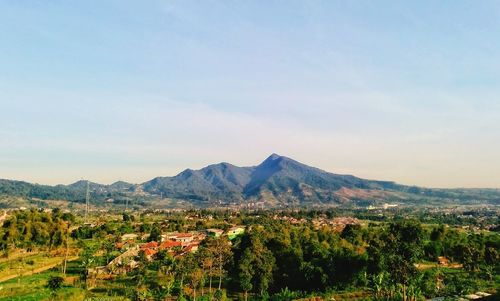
(220, 295)
(286, 295)
(182, 298)
(54, 283)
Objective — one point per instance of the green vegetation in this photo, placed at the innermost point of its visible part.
(32, 229)
(34, 287)
(279, 256)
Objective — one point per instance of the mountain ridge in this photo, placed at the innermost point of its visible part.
(277, 181)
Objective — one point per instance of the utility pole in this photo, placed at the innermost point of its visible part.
(67, 250)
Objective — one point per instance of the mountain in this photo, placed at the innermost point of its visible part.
(214, 182)
(284, 179)
(278, 181)
(121, 185)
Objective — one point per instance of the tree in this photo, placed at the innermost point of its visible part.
(185, 266)
(246, 272)
(66, 253)
(401, 251)
(166, 281)
(352, 233)
(54, 284)
(195, 279)
(88, 261)
(155, 234)
(126, 217)
(471, 258)
(206, 259)
(261, 260)
(221, 251)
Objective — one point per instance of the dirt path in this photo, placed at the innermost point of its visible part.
(37, 270)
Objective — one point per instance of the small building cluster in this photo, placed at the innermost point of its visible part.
(290, 219)
(175, 243)
(337, 223)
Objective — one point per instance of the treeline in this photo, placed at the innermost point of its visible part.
(274, 256)
(33, 228)
(75, 192)
(44, 192)
(279, 261)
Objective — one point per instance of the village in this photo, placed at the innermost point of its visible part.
(133, 246)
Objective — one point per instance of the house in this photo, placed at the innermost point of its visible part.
(129, 236)
(124, 262)
(125, 245)
(150, 245)
(191, 248)
(183, 238)
(149, 253)
(214, 232)
(235, 231)
(443, 261)
(169, 244)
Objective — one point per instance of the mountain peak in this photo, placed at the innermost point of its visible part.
(278, 160)
(81, 183)
(274, 157)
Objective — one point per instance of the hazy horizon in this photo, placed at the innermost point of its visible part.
(121, 90)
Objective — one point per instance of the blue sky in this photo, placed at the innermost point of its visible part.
(130, 90)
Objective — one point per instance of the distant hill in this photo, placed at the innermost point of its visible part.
(277, 181)
(281, 181)
(214, 182)
(73, 192)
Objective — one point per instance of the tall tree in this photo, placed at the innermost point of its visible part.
(257, 255)
(246, 272)
(402, 249)
(184, 267)
(155, 234)
(221, 250)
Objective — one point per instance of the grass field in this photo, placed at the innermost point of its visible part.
(27, 264)
(23, 276)
(32, 288)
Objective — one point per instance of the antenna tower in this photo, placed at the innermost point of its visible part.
(87, 199)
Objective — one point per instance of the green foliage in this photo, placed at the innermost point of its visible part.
(54, 283)
(286, 295)
(278, 260)
(220, 295)
(34, 228)
(155, 234)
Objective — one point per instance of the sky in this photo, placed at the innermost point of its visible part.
(407, 91)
